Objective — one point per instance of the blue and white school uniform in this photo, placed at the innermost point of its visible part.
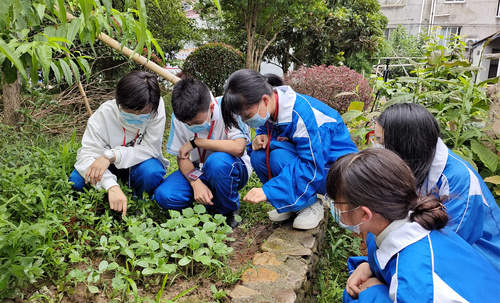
(223, 174)
(306, 138)
(474, 213)
(137, 148)
(418, 265)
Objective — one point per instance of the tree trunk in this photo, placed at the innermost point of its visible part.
(11, 102)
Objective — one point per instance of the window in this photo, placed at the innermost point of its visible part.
(498, 9)
(448, 31)
(388, 31)
(493, 69)
(454, 0)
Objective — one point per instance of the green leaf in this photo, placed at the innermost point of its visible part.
(351, 115)
(356, 105)
(493, 179)
(75, 69)
(187, 212)
(40, 10)
(103, 266)
(84, 65)
(199, 209)
(61, 11)
(184, 261)
(153, 245)
(148, 271)
(9, 72)
(66, 71)
(118, 283)
(489, 158)
(167, 268)
(93, 289)
(9, 53)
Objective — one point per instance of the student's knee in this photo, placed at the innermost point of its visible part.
(218, 163)
(174, 192)
(77, 180)
(167, 198)
(151, 171)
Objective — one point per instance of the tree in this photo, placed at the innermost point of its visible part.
(350, 33)
(254, 25)
(37, 35)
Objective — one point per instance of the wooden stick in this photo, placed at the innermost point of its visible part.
(82, 91)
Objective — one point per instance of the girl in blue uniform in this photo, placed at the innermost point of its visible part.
(410, 259)
(298, 138)
(412, 132)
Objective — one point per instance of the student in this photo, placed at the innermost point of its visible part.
(213, 164)
(412, 132)
(306, 137)
(123, 139)
(409, 258)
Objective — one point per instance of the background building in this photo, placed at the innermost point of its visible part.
(475, 20)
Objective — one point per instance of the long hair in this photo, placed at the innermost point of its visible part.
(383, 182)
(412, 132)
(244, 88)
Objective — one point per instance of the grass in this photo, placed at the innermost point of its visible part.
(329, 283)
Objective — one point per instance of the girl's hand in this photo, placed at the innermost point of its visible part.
(255, 195)
(369, 283)
(360, 275)
(96, 170)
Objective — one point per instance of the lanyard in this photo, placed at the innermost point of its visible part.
(269, 133)
(125, 137)
(202, 155)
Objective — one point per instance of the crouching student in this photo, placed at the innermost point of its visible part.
(298, 138)
(123, 139)
(213, 164)
(410, 259)
(412, 132)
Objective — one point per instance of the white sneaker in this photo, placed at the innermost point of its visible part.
(309, 217)
(278, 217)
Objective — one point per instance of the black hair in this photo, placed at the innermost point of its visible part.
(380, 180)
(190, 97)
(412, 132)
(138, 89)
(274, 80)
(243, 88)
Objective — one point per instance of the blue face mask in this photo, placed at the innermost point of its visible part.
(257, 121)
(336, 214)
(198, 128)
(133, 119)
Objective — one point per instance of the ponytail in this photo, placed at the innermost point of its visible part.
(429, 212)
(274, 80)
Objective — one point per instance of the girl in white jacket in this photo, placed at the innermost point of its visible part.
(123, 139)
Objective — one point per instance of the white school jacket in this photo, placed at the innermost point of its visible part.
(105, 130)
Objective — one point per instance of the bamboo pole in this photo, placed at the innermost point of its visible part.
(133, 55)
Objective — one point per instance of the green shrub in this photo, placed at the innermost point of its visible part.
(212, 63)
(335, 86)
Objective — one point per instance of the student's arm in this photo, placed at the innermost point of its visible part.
(235, 147)
(93, 146)
(201, 193)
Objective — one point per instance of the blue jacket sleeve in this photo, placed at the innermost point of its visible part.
(377, 293)
(301, 179)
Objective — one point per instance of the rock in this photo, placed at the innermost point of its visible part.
(266, 258)
(284, 296)
(259, 274)
(240, 291)
(280, 246)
